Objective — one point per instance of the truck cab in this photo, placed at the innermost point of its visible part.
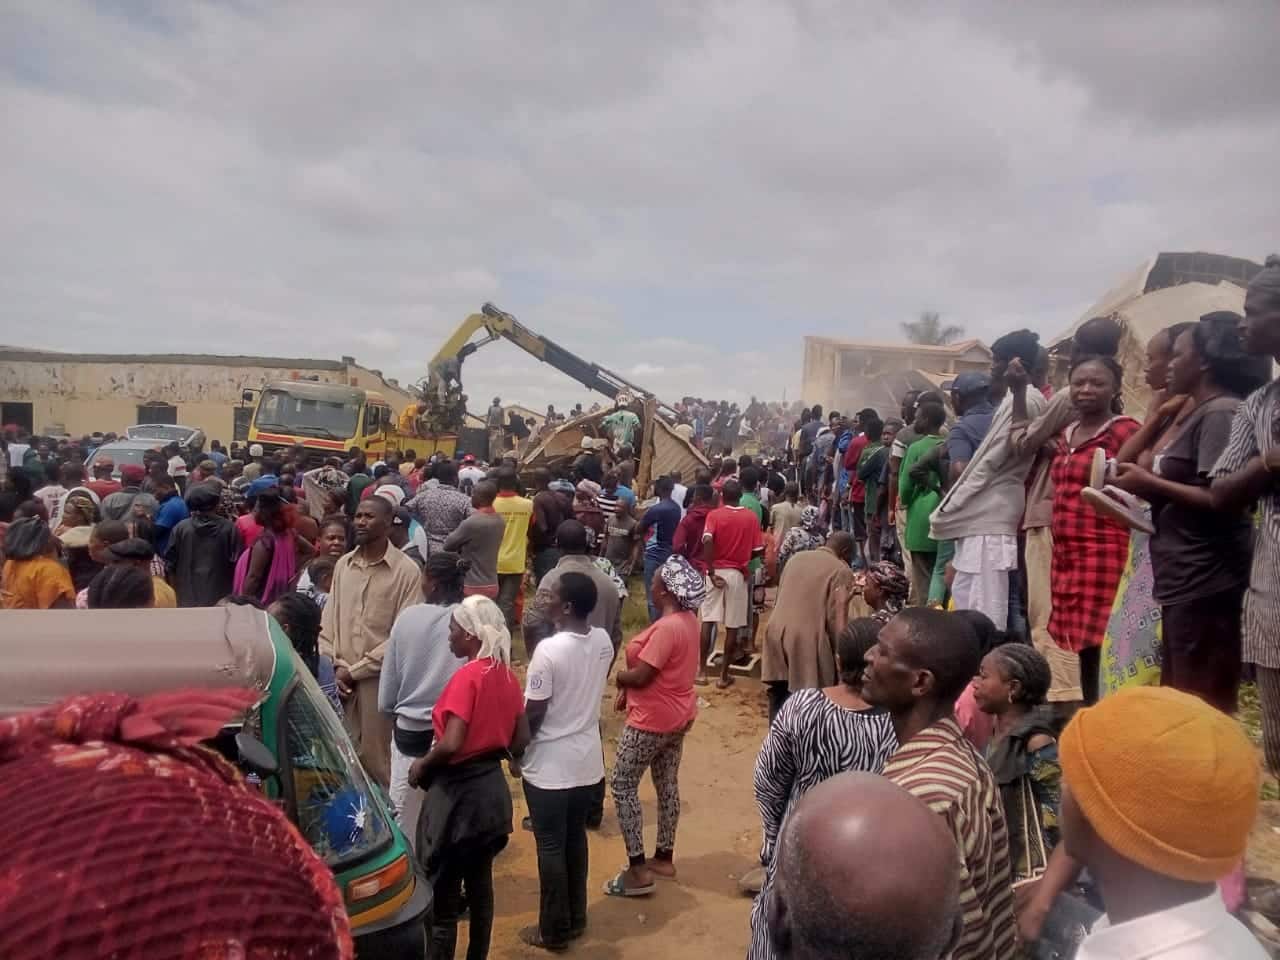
(328, 419)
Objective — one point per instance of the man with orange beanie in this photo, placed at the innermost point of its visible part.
(1159, 793)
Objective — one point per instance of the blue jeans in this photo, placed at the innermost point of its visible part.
(651, 565)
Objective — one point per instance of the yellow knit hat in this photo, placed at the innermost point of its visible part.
(1165, 780)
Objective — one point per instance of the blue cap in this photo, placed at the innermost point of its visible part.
(971, 381)
(262, 485)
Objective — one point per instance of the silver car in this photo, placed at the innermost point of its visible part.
(191, 439)
(121, 452)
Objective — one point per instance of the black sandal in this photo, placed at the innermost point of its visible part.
(533, 937)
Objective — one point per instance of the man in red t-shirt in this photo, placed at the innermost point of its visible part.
(731, 537)
(102, 484)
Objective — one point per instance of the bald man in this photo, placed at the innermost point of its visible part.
(864, 871)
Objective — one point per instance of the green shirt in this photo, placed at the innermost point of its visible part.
(920, 500)
(752, 503)
(355, 488)
(622, 426)
(872, 484)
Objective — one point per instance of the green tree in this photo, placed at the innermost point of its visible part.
(928, 330)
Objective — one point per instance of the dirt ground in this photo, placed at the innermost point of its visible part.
(701, 913)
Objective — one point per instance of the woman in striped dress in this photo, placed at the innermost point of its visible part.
(816, 735)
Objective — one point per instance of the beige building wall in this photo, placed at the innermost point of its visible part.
(103, 393)
(835, 369)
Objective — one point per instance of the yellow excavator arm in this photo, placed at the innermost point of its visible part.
(446, 366)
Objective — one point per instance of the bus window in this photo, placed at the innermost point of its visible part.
(371, 420)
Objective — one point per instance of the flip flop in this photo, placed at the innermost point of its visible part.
(724, 683)
(617, 887)
(659, 876)
(702, 682)
(1119, 505)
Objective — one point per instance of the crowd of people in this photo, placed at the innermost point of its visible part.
(1070, 575)
(1009, 631)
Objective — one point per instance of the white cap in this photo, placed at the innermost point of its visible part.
(390, 492)
(255, 450)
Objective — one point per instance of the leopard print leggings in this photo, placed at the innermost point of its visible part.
(639, 750)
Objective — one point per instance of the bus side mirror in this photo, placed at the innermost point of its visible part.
(254, 755)
(246, 396)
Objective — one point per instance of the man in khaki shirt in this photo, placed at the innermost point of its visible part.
(371, 585)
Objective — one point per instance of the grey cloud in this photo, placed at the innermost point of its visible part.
(684, 187)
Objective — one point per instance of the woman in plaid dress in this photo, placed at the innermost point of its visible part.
(1089, 550)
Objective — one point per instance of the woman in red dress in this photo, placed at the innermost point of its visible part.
(1089, 550)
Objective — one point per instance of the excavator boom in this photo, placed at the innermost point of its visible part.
(446, 366)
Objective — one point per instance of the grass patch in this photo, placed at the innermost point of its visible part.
(1249, 713)
(635, 612)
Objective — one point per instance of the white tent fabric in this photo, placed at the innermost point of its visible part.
(1144, 315)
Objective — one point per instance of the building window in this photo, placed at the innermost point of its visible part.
(157, 413)
(18, 415)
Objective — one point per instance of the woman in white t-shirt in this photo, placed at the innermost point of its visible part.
(563, 766)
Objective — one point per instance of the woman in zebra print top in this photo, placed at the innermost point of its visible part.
(816, 735)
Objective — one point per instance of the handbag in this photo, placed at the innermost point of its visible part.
(1071, 916)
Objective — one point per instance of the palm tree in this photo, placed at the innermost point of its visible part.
(928, 330)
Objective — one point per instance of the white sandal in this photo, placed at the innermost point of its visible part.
(1120, 505)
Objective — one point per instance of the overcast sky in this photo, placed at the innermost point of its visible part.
(680, 191)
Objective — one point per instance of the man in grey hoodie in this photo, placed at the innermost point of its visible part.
(983, 510)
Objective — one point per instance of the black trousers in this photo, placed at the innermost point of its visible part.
(1090, 665)
(1201, 647)
(474, 868)
(560, 831)
(543, 561)
(778, 692)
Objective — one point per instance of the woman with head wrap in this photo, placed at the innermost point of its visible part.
(32, 577)
(466, 815)
(79, 509)
(75, 523)
(817, 734)
(75, 775)
(656, 690)
(885, 589)
(586, 510)
(809, 535)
